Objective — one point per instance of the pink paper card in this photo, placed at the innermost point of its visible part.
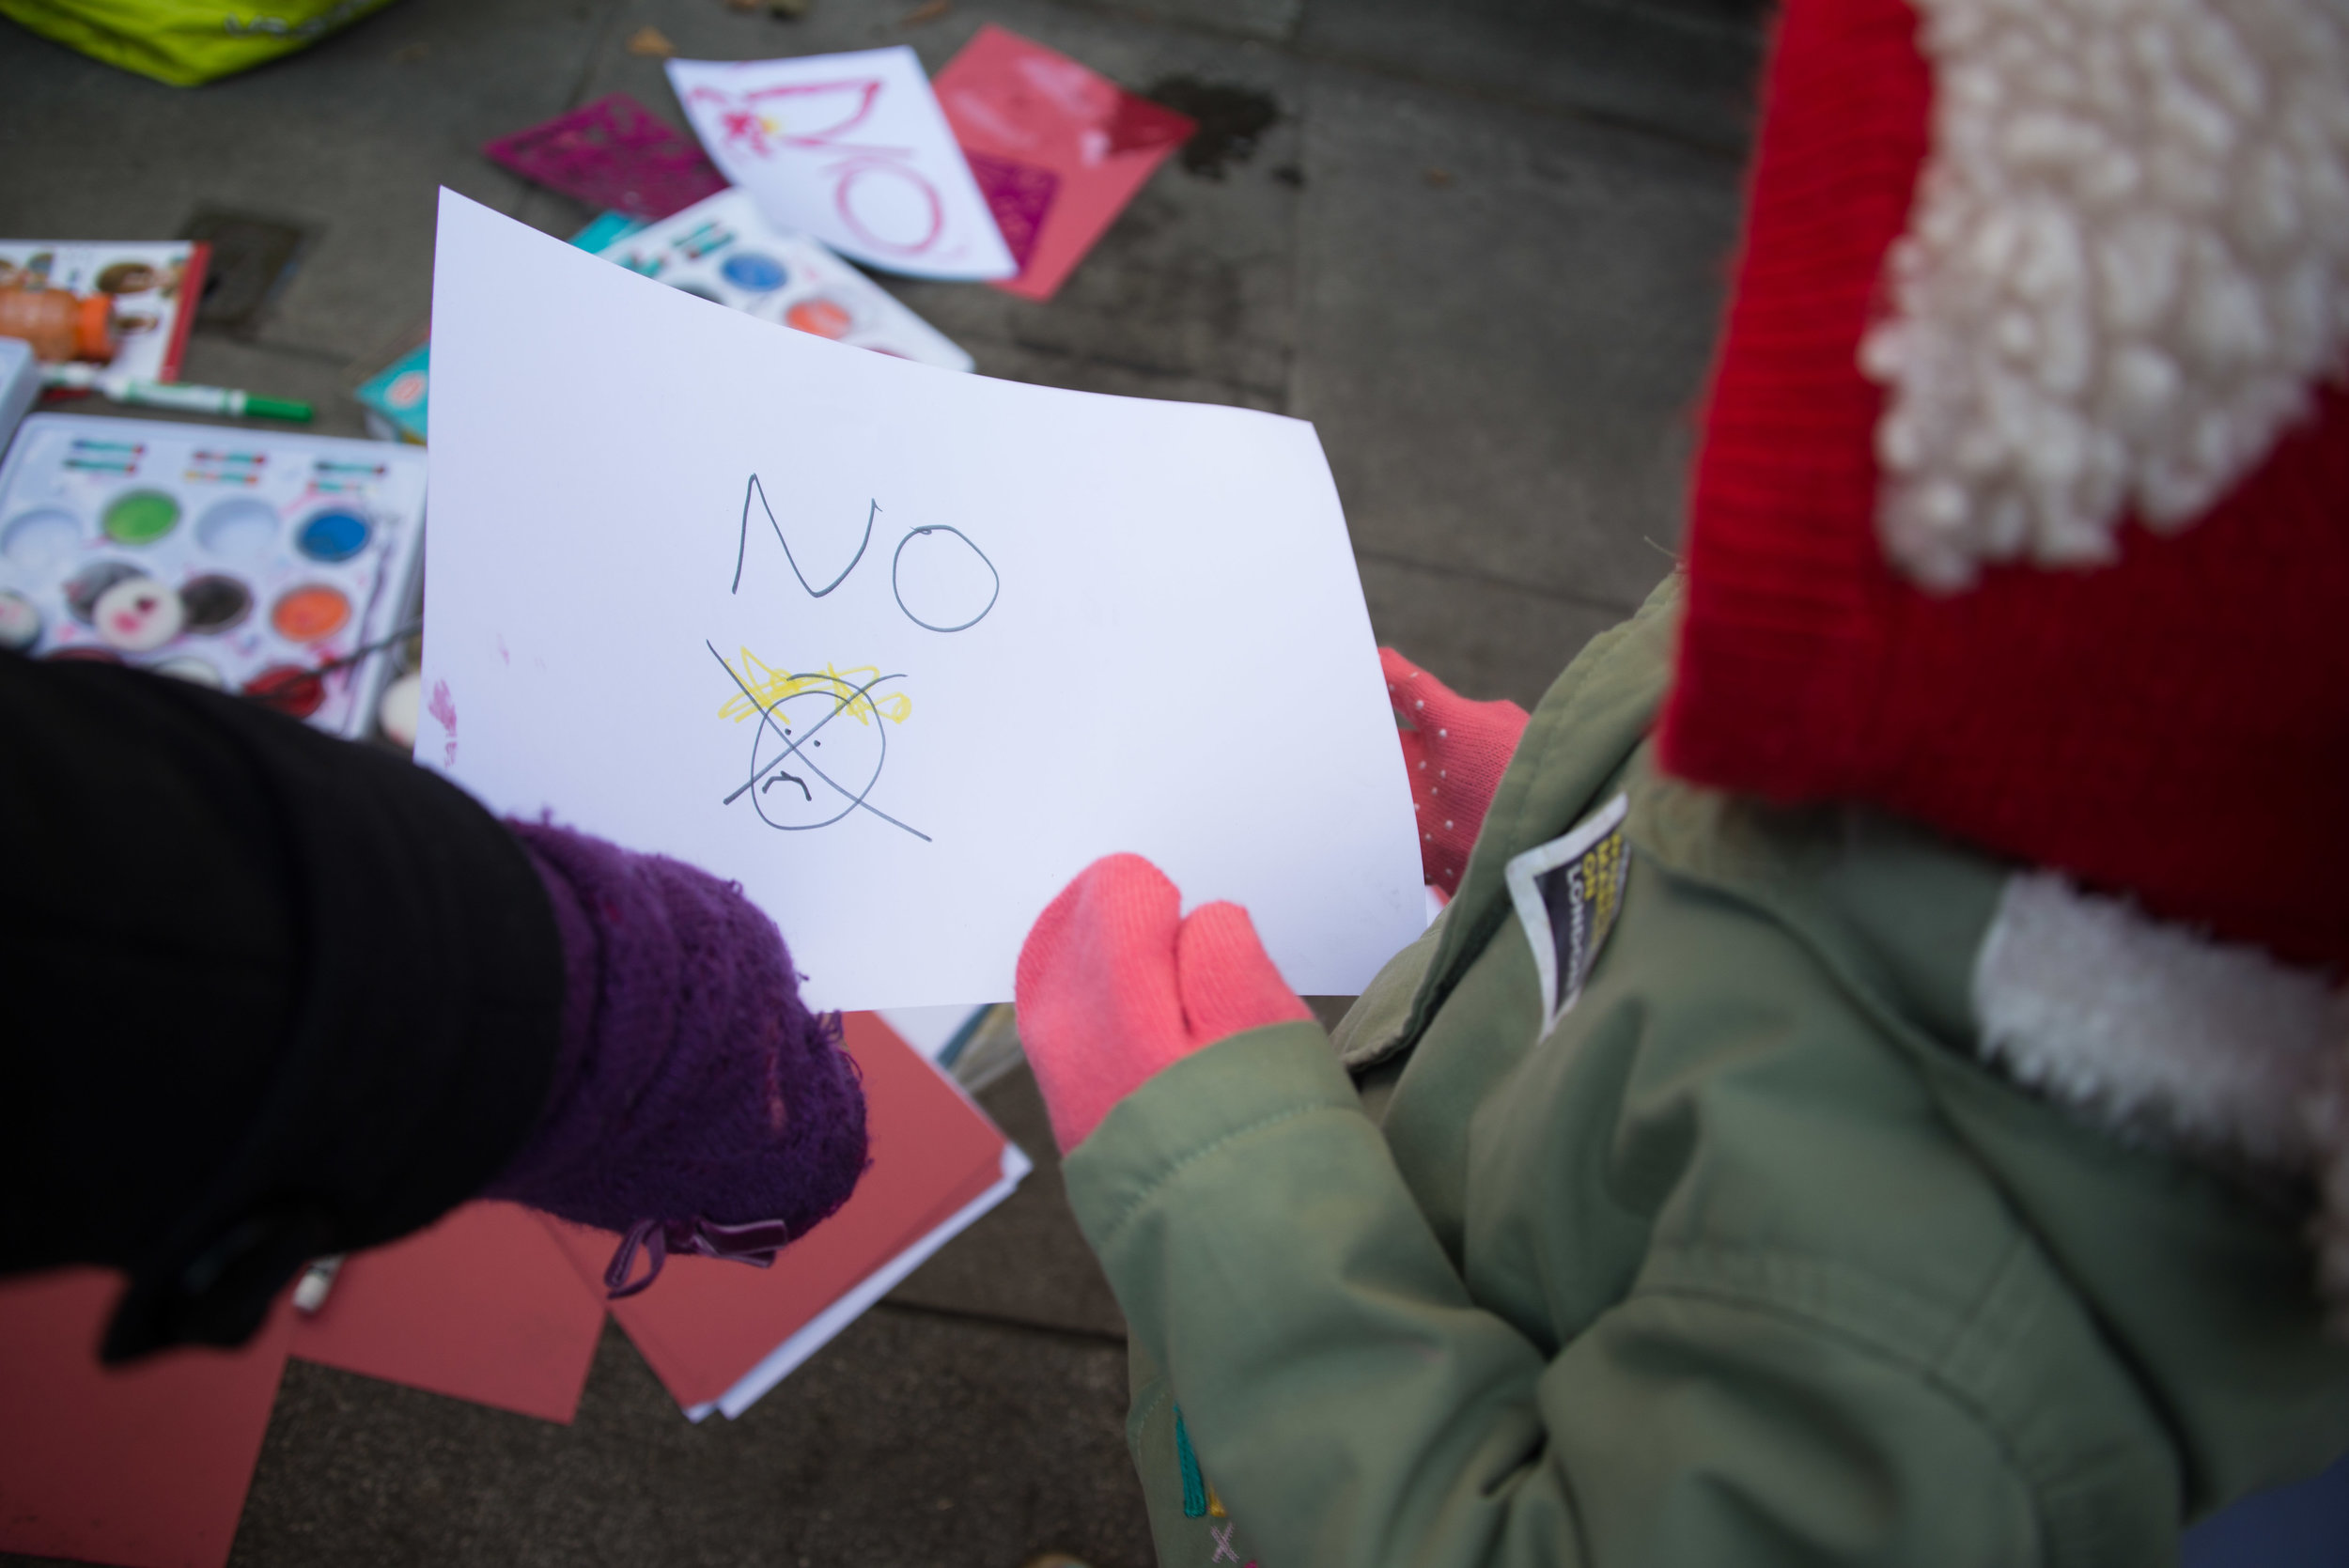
(612, 153)
(705, 1323)
(145, 1465)
(1057, 149)
(484, 1305)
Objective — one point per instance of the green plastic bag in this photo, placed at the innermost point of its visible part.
(185, 42)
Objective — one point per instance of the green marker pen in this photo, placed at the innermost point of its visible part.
(174, 395)
(206, 399)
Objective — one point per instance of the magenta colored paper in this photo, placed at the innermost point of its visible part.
(614, 153)
(1018, 195)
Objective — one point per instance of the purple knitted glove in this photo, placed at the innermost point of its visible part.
(697, 1105)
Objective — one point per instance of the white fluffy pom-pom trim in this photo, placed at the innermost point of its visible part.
(2127, 265)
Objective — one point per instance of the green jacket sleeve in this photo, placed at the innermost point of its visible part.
(1352, 1405)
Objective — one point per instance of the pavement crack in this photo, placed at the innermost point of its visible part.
(594, 56)
(996, 1320)
(313, 354)
(1732, 150)
(1198, 26)
(1495, 580)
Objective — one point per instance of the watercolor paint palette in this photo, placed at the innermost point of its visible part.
(723, 251)
(273, 564)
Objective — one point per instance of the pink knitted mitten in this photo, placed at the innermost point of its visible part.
(1455, 751)
(1114, 983)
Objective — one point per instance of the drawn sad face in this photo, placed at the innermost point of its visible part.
(818, 754)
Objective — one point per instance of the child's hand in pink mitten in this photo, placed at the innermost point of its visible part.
(1115, 983)
(1455, 751)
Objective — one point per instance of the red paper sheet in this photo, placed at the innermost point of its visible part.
(483, 1306)
(1058, 151)
(190, 295)
(147, 1466)
(705, 1323)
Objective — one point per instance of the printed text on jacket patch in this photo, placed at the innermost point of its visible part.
(1567, 892)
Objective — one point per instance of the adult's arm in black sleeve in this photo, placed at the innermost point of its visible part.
(269, 995)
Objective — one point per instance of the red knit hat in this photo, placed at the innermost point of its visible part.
(2023, 507)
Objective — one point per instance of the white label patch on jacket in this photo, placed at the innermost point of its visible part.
(1567, 893)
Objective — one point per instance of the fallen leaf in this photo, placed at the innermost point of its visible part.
(411, 54)
(1438, 177)
(929, 12)
(651, 42)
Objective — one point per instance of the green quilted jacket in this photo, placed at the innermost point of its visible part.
(1749, 1260)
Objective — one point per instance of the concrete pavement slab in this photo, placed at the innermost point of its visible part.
(1275, 21)
(1078, 368)
(1026, 1261)
(351, 138)
(913, 1441)
(1482, 637)
(1506, 323)
(1679, 68)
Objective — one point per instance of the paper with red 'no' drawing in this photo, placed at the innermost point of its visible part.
(1017, 103)
(852, 149)
(482, 1305)
(705, 1323)
(145, 1465)
(899, 650)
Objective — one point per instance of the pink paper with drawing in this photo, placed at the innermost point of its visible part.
(1058, 150)
(852, 149)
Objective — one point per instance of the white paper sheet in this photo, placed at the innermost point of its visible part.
(851, 149)
(1168, 654)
